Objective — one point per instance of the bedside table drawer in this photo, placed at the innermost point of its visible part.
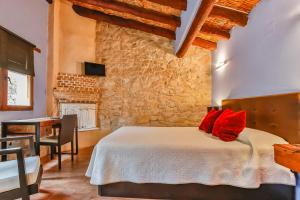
(288, 155)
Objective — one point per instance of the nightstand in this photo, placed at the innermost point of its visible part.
(288, 156)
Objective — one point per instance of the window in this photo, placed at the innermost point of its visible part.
(16, 91)
(16, 72)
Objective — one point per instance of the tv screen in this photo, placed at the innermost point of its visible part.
(94, 69)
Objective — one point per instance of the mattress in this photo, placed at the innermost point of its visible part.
(180, 155)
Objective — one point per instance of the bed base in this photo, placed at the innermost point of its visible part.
(196, 191)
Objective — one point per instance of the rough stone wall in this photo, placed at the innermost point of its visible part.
(146, 84)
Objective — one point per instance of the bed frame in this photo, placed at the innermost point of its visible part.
(277, 114)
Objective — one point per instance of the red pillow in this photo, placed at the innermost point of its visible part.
(229, 125)
(207, 123)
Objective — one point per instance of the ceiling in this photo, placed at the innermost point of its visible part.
(162, 17)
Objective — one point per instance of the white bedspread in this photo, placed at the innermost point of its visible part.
(174, 155)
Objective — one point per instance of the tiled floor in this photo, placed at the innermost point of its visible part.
(70, 182)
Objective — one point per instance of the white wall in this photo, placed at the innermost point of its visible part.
(29, 19)
(76, 40)
(262, 58)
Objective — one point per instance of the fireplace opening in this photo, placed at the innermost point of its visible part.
(86, 114)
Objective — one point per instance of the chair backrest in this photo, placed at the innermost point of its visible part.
(68, 126)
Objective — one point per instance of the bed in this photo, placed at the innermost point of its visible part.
(183, 163)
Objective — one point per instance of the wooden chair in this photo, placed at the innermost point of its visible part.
(65, 135)
(15, 181)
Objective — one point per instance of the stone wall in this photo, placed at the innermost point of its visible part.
(146, 84)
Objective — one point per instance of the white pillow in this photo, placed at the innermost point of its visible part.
(243, 136)
(261, 138)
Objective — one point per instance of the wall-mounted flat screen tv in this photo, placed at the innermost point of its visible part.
(94, 69)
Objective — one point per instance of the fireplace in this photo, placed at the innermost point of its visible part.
(78, 94)
(86, 114)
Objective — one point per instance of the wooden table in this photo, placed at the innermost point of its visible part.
(39, 124)
(288, 155)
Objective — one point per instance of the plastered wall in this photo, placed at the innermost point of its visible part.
(263, 57)
(20, 17)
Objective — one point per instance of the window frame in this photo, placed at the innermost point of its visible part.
(4, 93)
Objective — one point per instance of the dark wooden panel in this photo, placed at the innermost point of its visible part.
(196, 191)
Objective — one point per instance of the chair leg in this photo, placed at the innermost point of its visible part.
(26, 198)
(59, 157)
(72, 150)
(54, 131)
(25, 195)
(52, 151)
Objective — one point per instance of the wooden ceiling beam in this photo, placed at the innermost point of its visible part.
(205, 44)
(119, 21)
(235, 16)
(177, 4)
(215, 32)
(121, 7)
(199, 20)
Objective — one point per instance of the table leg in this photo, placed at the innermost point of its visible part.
(37, 138)
(4, 144)
(76, 141)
